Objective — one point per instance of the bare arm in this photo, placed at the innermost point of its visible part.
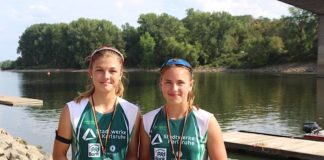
(144, 143)
(132, 152)
(65, 131)
(215, 143)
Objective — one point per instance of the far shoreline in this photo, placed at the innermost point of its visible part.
(290, 68)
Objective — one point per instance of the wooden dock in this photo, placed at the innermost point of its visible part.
(20, 101)
(272, 145)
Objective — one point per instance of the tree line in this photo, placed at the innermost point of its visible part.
(203, 38)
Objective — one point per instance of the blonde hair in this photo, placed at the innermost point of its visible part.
(191, 94)
(103, 51)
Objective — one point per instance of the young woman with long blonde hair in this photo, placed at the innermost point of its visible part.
(99, 124)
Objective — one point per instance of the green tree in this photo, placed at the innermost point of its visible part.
(131, 38)
(87, 35)
(203, 38)
(216, 32)
(182, 50)
(147, 44)
(33, 43)
(5, 65)
(161, 28)
(66, 45)
(300, 32)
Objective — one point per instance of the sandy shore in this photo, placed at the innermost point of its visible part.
(12, 148)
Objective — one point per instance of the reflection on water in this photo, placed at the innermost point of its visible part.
(320, 101)
(265, 103)
(277, 104)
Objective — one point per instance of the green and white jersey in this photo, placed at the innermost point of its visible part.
(85, 139)
(194, 137)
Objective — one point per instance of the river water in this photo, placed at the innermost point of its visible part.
(268, 103)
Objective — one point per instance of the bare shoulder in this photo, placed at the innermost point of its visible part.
(64, 127)
(215, 142)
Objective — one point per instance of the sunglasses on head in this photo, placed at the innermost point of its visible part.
(176, 62)
(108, 49)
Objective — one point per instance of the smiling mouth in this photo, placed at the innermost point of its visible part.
(172, 95)
(105, 83)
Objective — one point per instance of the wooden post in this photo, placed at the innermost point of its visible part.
(320, 100)
(320, 54)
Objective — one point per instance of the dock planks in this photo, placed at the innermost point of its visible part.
(274, 145)
(20, 101)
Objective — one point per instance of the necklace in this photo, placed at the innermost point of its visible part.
(103, 147)
(176, 156)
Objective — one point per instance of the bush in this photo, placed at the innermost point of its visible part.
(5, 65)
(231, 60)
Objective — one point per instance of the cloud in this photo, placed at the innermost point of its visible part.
(119, 4)
(38, 8)
(128, 11)
(31, 13)
(20, 16)
(255, 8)
(122, 3)
(211, 5)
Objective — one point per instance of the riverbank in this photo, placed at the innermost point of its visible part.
(12, 148)
(291, 68)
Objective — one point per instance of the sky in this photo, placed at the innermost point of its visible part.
(17, 15)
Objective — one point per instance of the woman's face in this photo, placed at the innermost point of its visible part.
(176, 83)
(106, 73)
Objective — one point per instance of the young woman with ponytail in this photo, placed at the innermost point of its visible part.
(179, 129)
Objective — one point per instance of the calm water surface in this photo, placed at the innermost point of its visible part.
(269, 103)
